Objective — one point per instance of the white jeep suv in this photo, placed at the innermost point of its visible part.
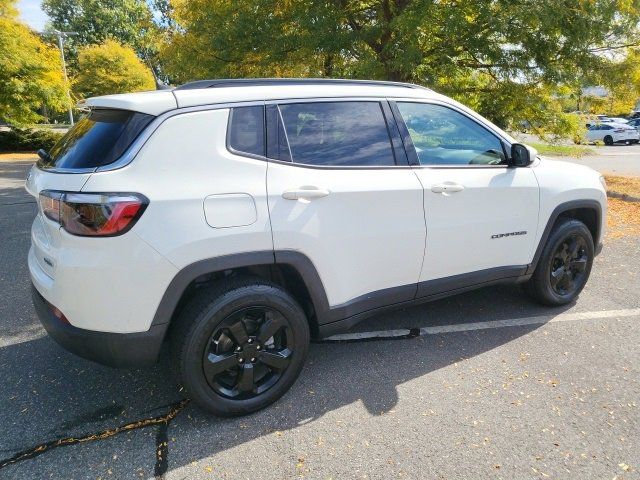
(237, 219)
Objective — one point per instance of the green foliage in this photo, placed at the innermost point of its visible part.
(111, 68)
(512, 61)
(30, 71)
(129, 22)
(575, 151)
(622, 79)
(28, 140)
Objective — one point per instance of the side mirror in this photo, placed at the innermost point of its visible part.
(522, 155)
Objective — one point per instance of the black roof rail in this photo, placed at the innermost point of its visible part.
(254, 82)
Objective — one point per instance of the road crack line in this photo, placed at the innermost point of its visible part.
(161, 451)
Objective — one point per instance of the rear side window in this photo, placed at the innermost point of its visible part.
(98, 139)
(337, 134)
(246, 130)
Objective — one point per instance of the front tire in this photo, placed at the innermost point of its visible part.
(239, 346)
(608, 140)
(564, 266)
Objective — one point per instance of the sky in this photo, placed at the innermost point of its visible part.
(32, 14)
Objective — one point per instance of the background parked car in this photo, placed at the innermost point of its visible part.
(611, 133)
(635, 123)
(615, 120)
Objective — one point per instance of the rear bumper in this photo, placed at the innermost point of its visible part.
(120, 350)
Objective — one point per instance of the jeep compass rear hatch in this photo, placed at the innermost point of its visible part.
(97, 140)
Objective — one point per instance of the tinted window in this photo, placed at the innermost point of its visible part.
(246, 129)
(337, 133)
(99, 138)
(443, 136)
(277, 145)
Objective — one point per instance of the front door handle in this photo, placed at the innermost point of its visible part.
(306, 192)
(447, 187)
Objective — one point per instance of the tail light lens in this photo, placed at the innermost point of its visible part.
(93, 214)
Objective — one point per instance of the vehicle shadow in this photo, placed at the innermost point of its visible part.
(49, 394)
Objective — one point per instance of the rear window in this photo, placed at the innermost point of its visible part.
(246, 130)
(98, 139)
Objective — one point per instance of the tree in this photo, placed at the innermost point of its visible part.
(508, 59)
(30, 71)
(130, 22)
(622, 80)
(110, 68)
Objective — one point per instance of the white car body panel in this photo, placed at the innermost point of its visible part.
(183, 163)
(367, 235)
(552, 177)
(97, 288)
(460, 225)
(86, 282)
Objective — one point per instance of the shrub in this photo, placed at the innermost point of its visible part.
(27, 140)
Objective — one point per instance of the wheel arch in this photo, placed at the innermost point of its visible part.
(587, 211)
(292, 270)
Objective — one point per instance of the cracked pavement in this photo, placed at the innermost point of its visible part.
(557, 400)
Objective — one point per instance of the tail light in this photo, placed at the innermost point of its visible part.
(93, 214)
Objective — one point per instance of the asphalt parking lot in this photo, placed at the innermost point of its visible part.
(495, 386)
(617, 159)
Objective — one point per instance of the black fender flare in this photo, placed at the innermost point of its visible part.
(300, 262)
(559, 210)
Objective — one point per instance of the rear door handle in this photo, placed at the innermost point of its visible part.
(306, 192)
(447, 188)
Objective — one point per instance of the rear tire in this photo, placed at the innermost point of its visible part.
(239, 345)
(564, 266)
(608, 140)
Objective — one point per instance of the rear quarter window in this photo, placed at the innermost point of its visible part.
(98, 139)
(246, 130)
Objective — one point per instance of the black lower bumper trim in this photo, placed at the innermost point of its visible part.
(120, 350)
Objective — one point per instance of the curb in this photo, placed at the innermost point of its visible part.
(623, 196)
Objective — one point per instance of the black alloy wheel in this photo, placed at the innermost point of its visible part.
(564, 265)
(248, 352)
(608, 140)
(568, 265)
(239, 345)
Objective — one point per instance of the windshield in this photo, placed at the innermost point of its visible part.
(98, 139)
